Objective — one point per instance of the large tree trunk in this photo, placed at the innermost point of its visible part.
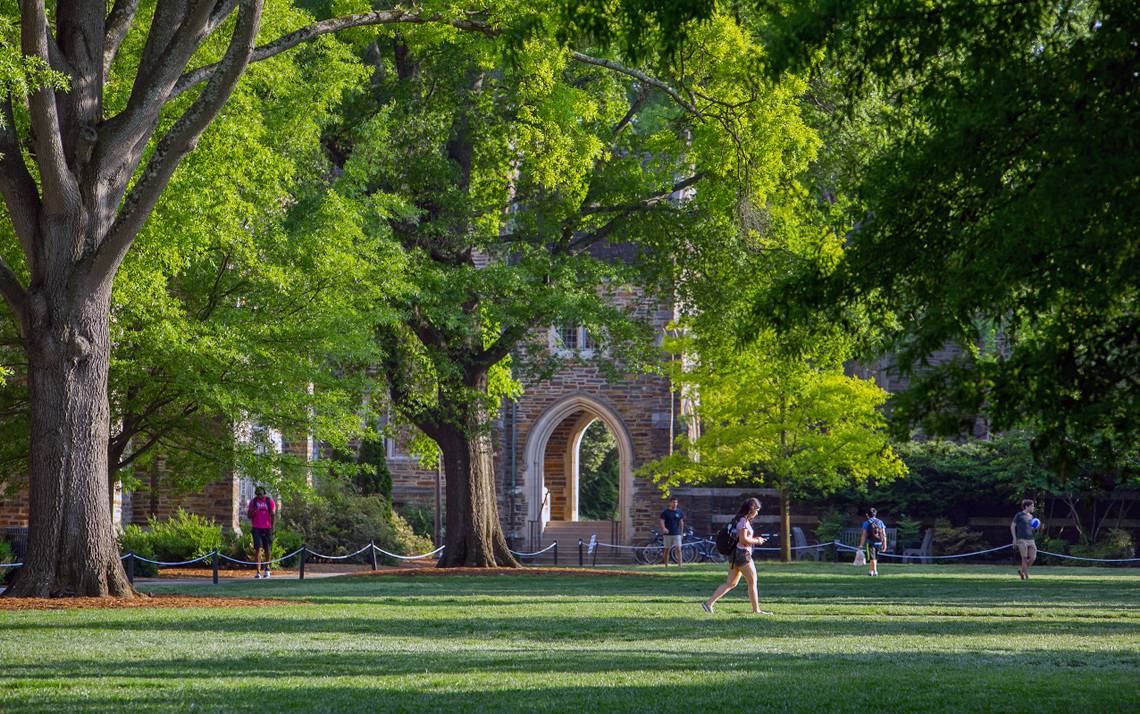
(71, 541)
(474, 535)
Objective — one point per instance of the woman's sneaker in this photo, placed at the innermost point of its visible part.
(707, 607)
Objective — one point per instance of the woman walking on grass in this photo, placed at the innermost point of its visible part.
(740, 562)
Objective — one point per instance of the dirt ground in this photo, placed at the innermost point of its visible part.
(143, 600)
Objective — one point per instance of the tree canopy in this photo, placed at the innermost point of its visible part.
(996, 214)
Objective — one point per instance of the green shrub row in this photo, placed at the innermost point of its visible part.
(335, 522)
(186, 536)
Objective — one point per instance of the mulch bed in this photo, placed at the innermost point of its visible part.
(143, 600)
(247, 573)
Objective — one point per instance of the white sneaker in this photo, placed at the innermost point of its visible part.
(257, 576)
(266, 574)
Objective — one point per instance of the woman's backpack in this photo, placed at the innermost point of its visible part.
(726, 539)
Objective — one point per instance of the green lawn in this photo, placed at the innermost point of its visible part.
(920, 638)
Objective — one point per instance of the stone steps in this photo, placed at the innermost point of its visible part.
(568, 533)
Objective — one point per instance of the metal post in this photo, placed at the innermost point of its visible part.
(214, 561)
(131, 568)
(556, 552)
(301, 569)
(372, 553)
(579, 552)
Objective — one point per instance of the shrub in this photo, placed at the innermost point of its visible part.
(284, 541)
(830, 523)
(289, 542)
(135, 540)
(1115, 543)
(910, 533)
(339, 522)
(950, 540)
(7, 555)
(420, 518)
(1051, 544)
(184, 536)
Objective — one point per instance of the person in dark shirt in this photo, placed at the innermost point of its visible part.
(672, 528)
(1022, 531)
(874, 540)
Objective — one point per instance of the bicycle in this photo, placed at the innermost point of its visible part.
(703, 550)
(652, 551)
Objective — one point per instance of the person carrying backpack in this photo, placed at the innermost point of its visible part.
(262, 511)
(740, 561)
(874, 540)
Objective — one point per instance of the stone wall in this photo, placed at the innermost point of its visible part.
(14, 510)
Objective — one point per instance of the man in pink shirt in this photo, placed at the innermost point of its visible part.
(261, 513)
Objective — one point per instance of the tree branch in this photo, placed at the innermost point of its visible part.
(14, 293)
(176, 32)
(118, 24)
(18, 187)
(333, 25)
(178, 141)
(648, 201)
(641, 77)
(506, 341)
(60, 189)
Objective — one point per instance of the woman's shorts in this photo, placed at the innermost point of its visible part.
(740, 557)
(263, 538)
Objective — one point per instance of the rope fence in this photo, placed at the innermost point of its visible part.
(303, 553)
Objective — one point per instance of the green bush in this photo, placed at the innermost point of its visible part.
(135, 540)
(1115, 543)
(289, 542)
(910, 533)
(284, 541)
(1051, 544)
(6, 553)
(339, 522)
(185, 536)
(420, 518)
(950, 540)
(830, 523)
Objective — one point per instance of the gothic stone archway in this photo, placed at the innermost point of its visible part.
(550, 459)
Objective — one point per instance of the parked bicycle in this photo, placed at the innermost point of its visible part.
(693, 549)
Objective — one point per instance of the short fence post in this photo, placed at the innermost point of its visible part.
(131, 568)
(301, 569)
(579, 552)
(215, 560)
(556, 552)
(372, 553)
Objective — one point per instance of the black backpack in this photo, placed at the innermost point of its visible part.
(726, 539)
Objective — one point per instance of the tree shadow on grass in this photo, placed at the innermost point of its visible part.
(578, 625)
(582, 680)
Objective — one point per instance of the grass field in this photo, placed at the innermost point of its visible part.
(920, 638)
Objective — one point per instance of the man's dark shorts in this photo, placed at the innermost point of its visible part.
(873, 550)
(263, 538)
